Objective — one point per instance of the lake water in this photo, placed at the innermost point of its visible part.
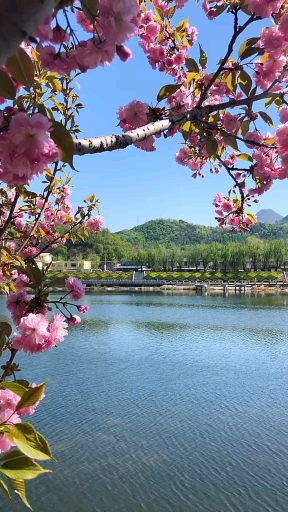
(166, 403)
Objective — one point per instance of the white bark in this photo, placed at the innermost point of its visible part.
(123, 140)
(18, 20)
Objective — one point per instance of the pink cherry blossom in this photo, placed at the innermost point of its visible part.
(83, 309)
(26, 149)
(123, 53)
(57, 329)
(133, 115)
(230, 123)
(264, 8)
(17, 305)
(94, 225)
(116, 19)
(8, 402)
(74, 320)
(28, 411)
(33, 333)
(75, 287)
(44, 32)
(283, 114)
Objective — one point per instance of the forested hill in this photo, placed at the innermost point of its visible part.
(169, 232)
(157, 233)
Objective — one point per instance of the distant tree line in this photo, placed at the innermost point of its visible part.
(252, 252)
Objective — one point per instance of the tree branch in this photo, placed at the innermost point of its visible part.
(9, 218)
(123, 140)
(19, 20)
(236, 33)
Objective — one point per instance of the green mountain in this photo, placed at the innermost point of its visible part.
(169, 232)
(159, 233)
(284, 220)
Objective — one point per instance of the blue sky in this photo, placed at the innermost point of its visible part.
(132, 185)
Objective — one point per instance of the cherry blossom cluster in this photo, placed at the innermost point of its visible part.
(134, 115)
(114, 23)
(26, 148)
(274, 41)
(36, 332)
(9, 415)
(166, 48)
(213, 140)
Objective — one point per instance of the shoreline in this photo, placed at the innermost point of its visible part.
(199, 289)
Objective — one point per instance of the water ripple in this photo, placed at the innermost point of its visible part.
(167, 404)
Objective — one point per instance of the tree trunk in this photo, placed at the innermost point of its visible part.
(19, 20)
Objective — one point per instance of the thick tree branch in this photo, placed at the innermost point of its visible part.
(18, 20)
(236, 33)
(123, 140)
(9, 218)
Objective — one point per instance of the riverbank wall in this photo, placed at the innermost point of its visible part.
(189, 288)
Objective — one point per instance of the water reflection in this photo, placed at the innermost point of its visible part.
(167, 403)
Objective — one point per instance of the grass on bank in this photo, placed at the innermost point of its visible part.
(189, 277)
(211, 276)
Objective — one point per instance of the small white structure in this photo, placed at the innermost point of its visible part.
(44, 259)
(70, 265)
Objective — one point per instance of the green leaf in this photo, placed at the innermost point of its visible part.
(5, 332)
(270, 141)
(251, 216)
(186, 130)
(211, 146)
(63, 141)
(23, 468)
(7, 88)
(6, 328)
(278, 103)
(245, 156)
(250, 51)
(247, 44)
(31, 397)
(29, 441)
(219, 9)
(21, 67)
(231, 82)
(42, 109)
(266, 118)
(182, 25)
(171, 12)
(231, 141)
(34, 274)
(203, 57)
(192, 76)
(19, 486)
(23, 383)
(12, 454)
(90, 9)
(192, 65)
(269, 102)
(5, 489)
(14, 387)
(245, 82)
(165, 92)
(245, 127)
(159, 13)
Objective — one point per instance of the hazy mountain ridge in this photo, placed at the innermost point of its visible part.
(269, 216)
